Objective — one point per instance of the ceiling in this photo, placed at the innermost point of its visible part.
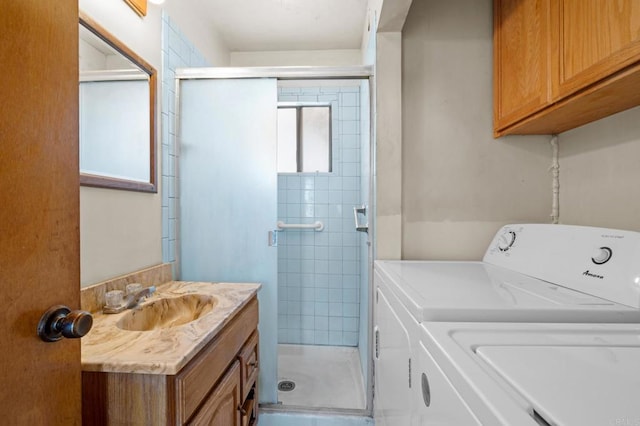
(268, 25)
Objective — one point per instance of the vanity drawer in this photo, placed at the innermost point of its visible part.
(249, 357)
(195, 381)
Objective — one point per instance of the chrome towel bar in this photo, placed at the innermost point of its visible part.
(317, 225)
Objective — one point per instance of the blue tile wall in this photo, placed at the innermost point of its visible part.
(319, 272)
(177, 52)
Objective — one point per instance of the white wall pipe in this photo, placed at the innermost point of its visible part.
(555, 185)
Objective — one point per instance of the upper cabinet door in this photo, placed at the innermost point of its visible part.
(559, 64)
(596, 39)
(521, 59)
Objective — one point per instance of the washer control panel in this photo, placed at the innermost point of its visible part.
(602, 255)
(597, 261)
(506, 240)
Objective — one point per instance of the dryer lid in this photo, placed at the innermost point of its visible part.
(573, 385)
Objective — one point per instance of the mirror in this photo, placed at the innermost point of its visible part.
(117, 95)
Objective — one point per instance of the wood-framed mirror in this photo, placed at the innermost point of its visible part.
(117, 95)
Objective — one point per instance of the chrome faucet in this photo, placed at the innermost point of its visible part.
(131, 301)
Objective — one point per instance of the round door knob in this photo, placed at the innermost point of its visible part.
(60, 321)
(601, 255)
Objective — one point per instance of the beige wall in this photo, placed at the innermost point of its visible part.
(459, 185)
(120, 231)
(387, 18)
(389, 146)
(600, 173)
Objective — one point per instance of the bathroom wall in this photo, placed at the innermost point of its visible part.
(121, 231)
(383, 33)
(186, 17)
(318, 272)
(177, 52)
(600, 173)
(459, 185)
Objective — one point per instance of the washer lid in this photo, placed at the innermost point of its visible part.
(573, 385)
(476, 291)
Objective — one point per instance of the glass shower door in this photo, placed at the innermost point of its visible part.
(228, 195)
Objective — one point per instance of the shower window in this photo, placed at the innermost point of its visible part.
(304, 138)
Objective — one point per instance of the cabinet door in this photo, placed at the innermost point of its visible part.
(596, 38)
(221, 408)
(248, 358)
(521, 59)
(392, 365)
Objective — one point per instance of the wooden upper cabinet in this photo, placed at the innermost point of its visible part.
(521, 59)
(588, 63)
(596, 39)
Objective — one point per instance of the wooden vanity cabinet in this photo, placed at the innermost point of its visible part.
(218, 387)
(559, 64)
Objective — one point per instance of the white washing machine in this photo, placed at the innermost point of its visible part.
(530, 273)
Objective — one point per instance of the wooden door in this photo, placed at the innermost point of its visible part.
(39, 204)
(596, 38)
(521, 58)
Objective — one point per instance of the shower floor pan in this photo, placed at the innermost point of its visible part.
(320, 376)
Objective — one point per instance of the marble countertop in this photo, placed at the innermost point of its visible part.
(163, 351)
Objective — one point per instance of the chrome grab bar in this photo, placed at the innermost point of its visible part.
(363, 211)
(317, 225)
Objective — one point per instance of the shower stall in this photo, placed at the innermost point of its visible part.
(274, 187)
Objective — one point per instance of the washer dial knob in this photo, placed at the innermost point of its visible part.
(601, 255)
(506, 240)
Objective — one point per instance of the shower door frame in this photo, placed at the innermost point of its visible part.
(364, 72)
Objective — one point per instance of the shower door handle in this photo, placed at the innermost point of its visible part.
(363, 211)
(376, 342)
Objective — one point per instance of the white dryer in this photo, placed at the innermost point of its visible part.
(530, 273)
(532, 373)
